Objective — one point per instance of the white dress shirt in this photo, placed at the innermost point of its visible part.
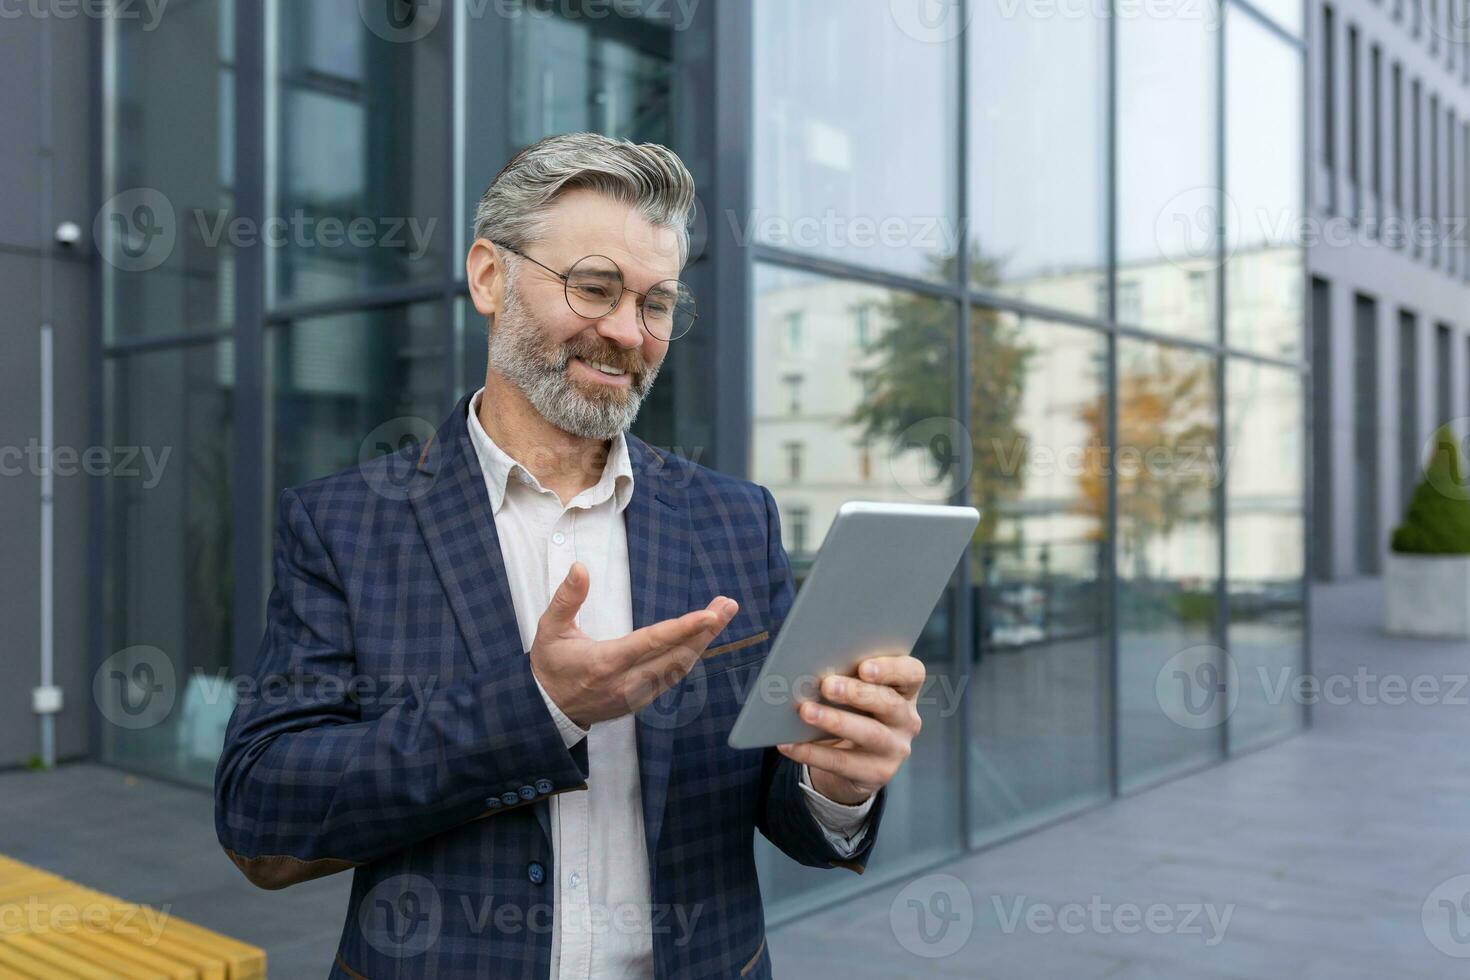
(601, 896)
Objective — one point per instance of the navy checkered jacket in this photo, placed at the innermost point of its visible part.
(392, 724)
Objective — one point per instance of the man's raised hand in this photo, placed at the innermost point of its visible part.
(593, 680)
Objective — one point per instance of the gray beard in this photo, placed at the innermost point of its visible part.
(520, 351)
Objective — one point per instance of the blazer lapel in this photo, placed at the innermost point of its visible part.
(659, 560)
(453, 512)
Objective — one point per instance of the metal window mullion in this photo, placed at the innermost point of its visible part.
(250, 477)
(963, 639)
(1222, 593)
(1112, 586)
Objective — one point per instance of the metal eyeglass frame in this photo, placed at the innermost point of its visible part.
(566, 284)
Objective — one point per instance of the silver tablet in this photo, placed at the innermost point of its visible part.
(880, 571)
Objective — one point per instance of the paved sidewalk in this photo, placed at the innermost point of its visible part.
(1326, 845)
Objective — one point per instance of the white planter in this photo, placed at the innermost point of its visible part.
(1428, 595)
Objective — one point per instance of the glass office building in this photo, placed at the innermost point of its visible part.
(1027, 257)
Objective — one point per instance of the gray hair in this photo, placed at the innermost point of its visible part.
(649, 177)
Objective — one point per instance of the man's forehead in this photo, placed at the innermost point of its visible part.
(584, 223)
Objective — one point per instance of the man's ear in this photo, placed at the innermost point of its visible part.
(485, 273)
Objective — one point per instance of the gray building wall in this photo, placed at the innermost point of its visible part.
(1394, 278)
(46, 79)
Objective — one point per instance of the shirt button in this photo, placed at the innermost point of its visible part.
(536, 872)
(576, 878)
(558, 538)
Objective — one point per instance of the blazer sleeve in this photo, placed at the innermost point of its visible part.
(783, 815)
(306, 786)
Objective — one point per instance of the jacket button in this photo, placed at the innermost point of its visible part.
(509, 798)
(543, 786)
(528, 792)
(493, 802)
(536, 872)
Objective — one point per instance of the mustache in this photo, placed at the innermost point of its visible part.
(626, 360)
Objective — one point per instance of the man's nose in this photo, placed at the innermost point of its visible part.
(622, 325)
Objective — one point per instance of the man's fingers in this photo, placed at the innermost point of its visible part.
(561, 612)
(693, 629)
(866, 734)
(854, 765)
(903, 673)
(878, 700)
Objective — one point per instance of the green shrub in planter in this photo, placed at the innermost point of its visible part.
(1438, 518)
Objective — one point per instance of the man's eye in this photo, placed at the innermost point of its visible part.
(592, 292)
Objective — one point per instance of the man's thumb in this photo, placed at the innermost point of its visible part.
(569, 595)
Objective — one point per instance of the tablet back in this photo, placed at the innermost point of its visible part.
(881, 569)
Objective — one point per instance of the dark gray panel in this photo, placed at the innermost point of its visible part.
(20, 71)
(20, 493)
(71, 320)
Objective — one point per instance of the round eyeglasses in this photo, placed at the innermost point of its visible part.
(594, 288)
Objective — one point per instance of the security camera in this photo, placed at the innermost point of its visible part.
(68, 233)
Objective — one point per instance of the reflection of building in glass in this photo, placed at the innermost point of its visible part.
(813, 358)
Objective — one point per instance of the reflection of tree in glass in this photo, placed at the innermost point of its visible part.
(1166, 430)
(912, 382)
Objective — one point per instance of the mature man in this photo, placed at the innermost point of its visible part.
(482, 686)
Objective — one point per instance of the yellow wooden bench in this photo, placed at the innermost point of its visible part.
(54, 928)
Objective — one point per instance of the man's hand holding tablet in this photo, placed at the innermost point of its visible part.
(881, 570)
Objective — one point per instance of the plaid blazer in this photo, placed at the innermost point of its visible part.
(392, 725)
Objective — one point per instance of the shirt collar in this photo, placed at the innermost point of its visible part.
(499, 467)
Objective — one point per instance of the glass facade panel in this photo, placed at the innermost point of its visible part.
(1286, 14)
(1265, 552)
(351, 384)
(1038, 158)
(612, 74)
(1168, 208)
(170, 267)
(1166, 467)
(1266, 268)
(854, 401)
(1039, 680)
(832, 178)
(362, 144)
(163, 686)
